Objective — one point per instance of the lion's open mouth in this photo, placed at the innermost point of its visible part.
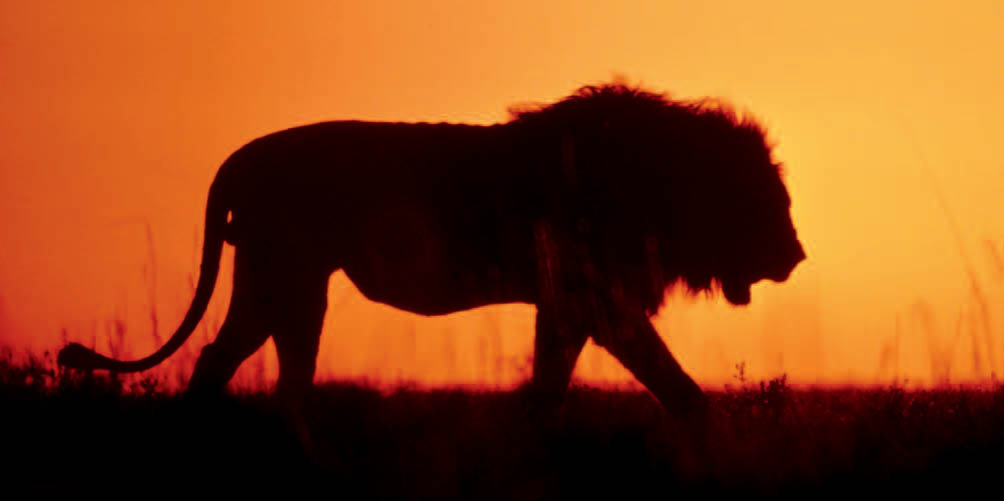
(736, 292)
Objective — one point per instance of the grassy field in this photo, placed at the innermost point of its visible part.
(77, 430)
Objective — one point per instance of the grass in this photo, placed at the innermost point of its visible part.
(77, 429)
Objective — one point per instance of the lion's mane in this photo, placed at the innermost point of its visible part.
(666, 191)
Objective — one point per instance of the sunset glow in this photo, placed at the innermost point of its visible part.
(886, 116)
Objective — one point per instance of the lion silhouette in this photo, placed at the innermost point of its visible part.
(589, 208)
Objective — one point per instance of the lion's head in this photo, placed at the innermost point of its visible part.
(677, 191)
(745, 221)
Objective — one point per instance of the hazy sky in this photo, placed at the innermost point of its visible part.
(887, 116)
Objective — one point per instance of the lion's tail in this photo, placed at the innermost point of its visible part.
(77, 356)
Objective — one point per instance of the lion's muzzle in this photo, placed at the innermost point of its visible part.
(787, 263)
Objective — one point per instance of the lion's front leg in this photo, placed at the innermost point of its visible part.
(557, 346)
(560, 333)
(635, 343)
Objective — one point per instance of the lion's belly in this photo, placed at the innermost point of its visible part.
(433, 286)
(435, 269)
(424, 292)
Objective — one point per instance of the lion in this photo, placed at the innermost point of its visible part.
(589, 208)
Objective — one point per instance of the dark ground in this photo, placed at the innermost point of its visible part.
(84, 432)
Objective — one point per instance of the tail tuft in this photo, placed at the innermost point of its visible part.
(77, 356)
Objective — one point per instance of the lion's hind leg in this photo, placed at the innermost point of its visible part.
(298, 334)
(243, 332)
(299, 318)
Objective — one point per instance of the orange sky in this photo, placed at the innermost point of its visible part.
(887, 115)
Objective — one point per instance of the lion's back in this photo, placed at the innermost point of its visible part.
(426, 217)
